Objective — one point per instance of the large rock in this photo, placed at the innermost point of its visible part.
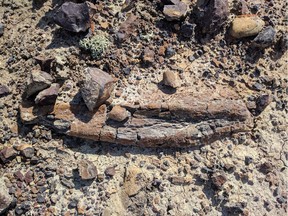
(96, 88)
(73, 17)
(37, 81)
(5, 198)
(211, 15)
(246, 26)
(176, 11)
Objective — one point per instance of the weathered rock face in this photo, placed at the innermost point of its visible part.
(212, 14)
(97, 87)
(245, 26)
(184, 119)
(73, 17)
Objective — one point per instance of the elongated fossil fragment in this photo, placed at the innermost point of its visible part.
(184, 119)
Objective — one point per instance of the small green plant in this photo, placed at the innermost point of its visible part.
(97, 45)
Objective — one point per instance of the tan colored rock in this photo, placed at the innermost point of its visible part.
(26, 150)
(118, 113)
(87, 170)
(176, 11)
(171, 79)
(245, 26)
(134, 181)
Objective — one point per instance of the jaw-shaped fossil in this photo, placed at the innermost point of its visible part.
(185, 118)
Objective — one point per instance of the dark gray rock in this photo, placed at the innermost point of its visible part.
(73, 17)
(265, 38)
(37, 81)
(4, 90)
(188, 30)
(48, 96)
(211, 15)
(1, 29)
(96, 87)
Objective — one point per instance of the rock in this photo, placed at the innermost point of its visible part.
(110, 171)
(245, 26)
(45, 62)
(262, 102)
(37, 81)
(26, 150)
(7, 154)
(40, 199)
(118, 113)
(81, 207)
(68, 183)
(48, 96)
(87, 170)
(218, 179)
(177, 11)
(134, 181)
(265, 38)
(171, 79)
(5, 199)
(148, 56)
(169, 52)
(4, 90)
(1, 29)
(28, 177)
(73, 17)
(211, 15)
(19, 176)
(96, 88)
(188, 30)
(178, 180)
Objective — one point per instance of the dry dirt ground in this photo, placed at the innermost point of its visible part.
(245, 174)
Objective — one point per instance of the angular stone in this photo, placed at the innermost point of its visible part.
(2, 27)
(87, 170)
(212, 15)
(48, 96)
(7, 154)
(4, 90)
(73, 17)
(5, 198)
(218, 179)
(134, 181)
(245, 26)
(37, 81)
(118, 113)
(177, 11)
(265, 38)
(110, 171)
(26, 150)
(171, 79)
(96, 88)
(45, 62)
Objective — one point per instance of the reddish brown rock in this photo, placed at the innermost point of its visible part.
(148, 55)
(87, 170)
(218, 179)
(118, 113)
(96, 88)
(7, 154)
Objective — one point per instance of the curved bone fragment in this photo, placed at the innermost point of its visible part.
(184, 119)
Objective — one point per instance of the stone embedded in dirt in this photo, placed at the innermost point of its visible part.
(19, 176)
(127, 28)
(179, 180)
(96, 87)
(211, 15)
(73, 17)
(28, 177)
(4, 90)
(26, 150)
(37, 81)
(177, 11)
(87, 170)
(118, 113)
(188, 30)
(7, 154)
(134, 181)
(171, 79)
(218, 179)
(2, 27)
(265, 38)
(48, 96)
(5, 198)
(148, 56)
(246, 26)
(110, 171)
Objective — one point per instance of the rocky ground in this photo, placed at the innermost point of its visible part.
(201, 46)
